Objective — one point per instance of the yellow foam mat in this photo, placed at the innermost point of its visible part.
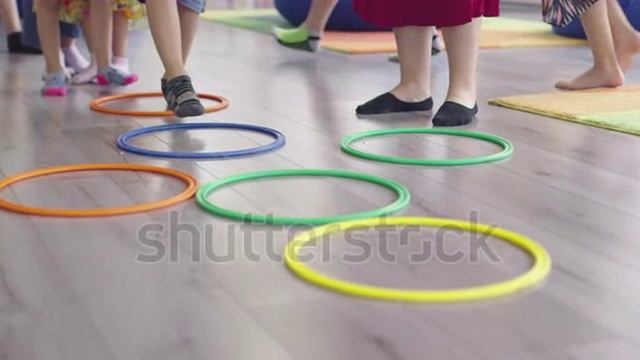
(497, 33)
(613, 109)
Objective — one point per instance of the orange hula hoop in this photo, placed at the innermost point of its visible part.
(187, 194)
(98, 104)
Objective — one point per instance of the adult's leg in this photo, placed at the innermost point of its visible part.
(308, 36)
(460, 107)
(463, 43)
(414, 48)
(413, 93)
(319, 15)
(625, 36)
(606, 71)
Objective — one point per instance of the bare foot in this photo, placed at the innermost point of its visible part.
(627, 49)
(594, 78)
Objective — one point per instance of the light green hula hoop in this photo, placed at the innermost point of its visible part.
(507, 147)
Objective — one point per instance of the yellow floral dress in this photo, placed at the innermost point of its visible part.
(73, 11)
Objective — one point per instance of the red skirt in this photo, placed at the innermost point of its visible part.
(441, 13)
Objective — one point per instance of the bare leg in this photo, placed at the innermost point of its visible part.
(188, 28)
(86, 31)
(90, 71)
(173, 28)
(164, 21)
(10, 17)
(413, 93)
(49, 33)
(463, 43)
(625, 37)
(101, 14)
(120, 35)
(67, 42)
(319, 15)
(414, 47)
(606, 71)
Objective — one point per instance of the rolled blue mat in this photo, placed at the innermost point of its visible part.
(575, 29)
(343, 18)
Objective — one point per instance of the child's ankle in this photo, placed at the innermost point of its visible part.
(172, 75)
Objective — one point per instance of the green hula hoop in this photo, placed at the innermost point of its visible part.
(402, 201)
(507, 147)
(535, 275)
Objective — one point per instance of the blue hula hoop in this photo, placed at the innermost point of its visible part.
(123, 141)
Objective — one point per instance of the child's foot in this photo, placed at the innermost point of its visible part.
(87, 75)
(594, 78)
(627, 49)
(74, 59)
(182, 98)
(111, 75)
(298, 38)
(55, 85)
(163, 86)
(15, 45)
(454, 114)
(121, 63)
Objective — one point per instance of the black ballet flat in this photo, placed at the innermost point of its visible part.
(389, 103)
(454, 114)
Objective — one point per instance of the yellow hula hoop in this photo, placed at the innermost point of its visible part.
(538, 272)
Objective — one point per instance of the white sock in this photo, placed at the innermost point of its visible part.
(121, 63)
(314, 43)
(74, 59)
(88, 74)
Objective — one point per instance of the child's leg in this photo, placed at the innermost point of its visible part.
(72, 56)
(169, 26)
(606, 70)
(11, 19)
(101, 18)
(463, 43)
(91, 71)
(414, 91)
(164, 22)
(188, 28)
(9, 16)
(308, 36)
(49, 34)
(625, 37)
(120, 41)
(101, 14)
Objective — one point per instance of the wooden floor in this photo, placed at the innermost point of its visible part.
(79, 289)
